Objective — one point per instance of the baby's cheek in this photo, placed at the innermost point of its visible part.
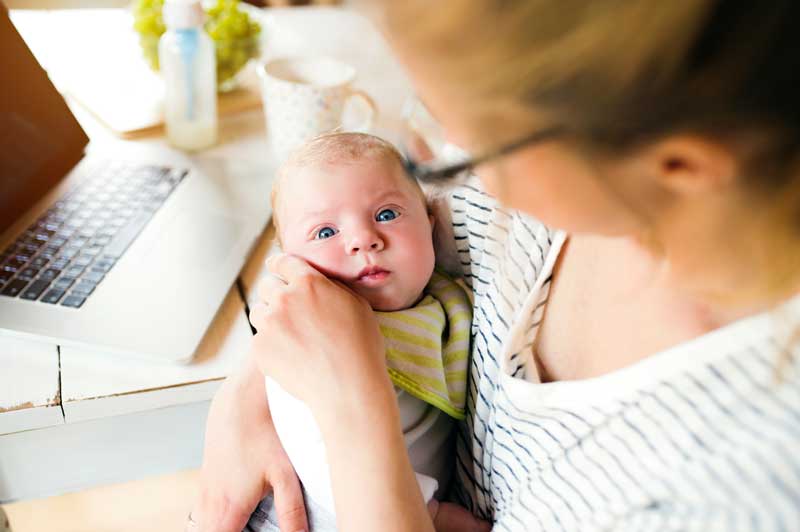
(327, 261)
(419, 257)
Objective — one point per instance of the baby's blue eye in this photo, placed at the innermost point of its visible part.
(325, 232)
(387, 215)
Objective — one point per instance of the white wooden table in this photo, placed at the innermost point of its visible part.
(70, 418)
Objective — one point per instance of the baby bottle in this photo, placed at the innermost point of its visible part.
(188, 66)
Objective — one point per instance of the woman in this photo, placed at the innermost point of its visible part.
(634, 370)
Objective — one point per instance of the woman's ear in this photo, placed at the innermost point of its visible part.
(690, 164)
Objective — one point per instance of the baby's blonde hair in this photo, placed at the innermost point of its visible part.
(332, 148)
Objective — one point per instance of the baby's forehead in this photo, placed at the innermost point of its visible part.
(311, 181)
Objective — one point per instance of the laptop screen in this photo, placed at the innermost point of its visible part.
(40, 140)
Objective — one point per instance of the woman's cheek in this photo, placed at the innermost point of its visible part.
(489, 180)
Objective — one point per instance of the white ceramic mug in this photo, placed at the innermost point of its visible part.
(305, 97)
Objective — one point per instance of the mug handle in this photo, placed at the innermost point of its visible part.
(370, 120)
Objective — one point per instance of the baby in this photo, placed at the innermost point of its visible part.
(344, 203)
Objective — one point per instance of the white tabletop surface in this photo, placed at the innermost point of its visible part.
(43, 384)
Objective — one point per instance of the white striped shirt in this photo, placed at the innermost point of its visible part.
(698, 437)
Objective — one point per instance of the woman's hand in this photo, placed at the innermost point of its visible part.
(243, 459)
(318, 340)
(449, 517)
(322, 344)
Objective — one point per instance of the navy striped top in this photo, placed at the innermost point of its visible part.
(702, 436)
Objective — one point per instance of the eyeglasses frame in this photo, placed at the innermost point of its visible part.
(427, 174)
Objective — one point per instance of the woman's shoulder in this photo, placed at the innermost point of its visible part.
(474, 231)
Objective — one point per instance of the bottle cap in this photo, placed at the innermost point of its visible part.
(179, 14)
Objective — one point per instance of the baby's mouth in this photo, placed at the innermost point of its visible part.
(372, 275)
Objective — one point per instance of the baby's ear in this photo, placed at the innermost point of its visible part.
(429, 193)
(444, 241)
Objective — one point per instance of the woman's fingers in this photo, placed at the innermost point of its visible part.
(449, 517)
(290, 268)
(258, 313)
(289, 504)
(269, 286)
(218, 513)
(234, 518)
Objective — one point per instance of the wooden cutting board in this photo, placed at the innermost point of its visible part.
(130, 116)
(93, 56)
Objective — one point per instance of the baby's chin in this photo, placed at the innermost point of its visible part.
(390, 302)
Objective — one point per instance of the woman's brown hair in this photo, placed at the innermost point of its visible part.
(617, 74)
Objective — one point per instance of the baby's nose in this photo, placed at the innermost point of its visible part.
(366, 241)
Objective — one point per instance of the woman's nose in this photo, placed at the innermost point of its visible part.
(365, 241)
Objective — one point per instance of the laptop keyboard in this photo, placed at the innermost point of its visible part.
(63, 256)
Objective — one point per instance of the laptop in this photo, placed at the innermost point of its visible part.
(127, 249)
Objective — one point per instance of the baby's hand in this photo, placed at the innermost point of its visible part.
(449, 517)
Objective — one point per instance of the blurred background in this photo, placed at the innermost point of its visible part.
(65, 4)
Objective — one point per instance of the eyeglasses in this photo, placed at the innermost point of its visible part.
(428, 173)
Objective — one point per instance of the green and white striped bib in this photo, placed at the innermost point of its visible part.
(427, 346)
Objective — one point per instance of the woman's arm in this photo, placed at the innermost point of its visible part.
(243, 459)
(321, 343)
(370, 468)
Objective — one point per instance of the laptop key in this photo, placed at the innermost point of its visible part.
(64, 282)
(34, 290)
(65, 233)
(84, 259)
(30, 246)
(56, 218)
(39, 262)
(92, 250)
(74, 301)
(50, 250)
(93, 276)
(44, 233)
(59, 263)
(101, 267)
(49, 274)
(83, 287)
(101, 240)
(74, 271)
(5, 276)
(52, 296)
(79, 241)
(28, 273)
(13, 288)
(57, 241)
(68, 252)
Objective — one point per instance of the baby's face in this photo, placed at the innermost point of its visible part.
(362, 223)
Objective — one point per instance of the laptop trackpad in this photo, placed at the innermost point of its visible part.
(195, 240)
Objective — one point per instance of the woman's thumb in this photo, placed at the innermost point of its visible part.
(289, 505)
